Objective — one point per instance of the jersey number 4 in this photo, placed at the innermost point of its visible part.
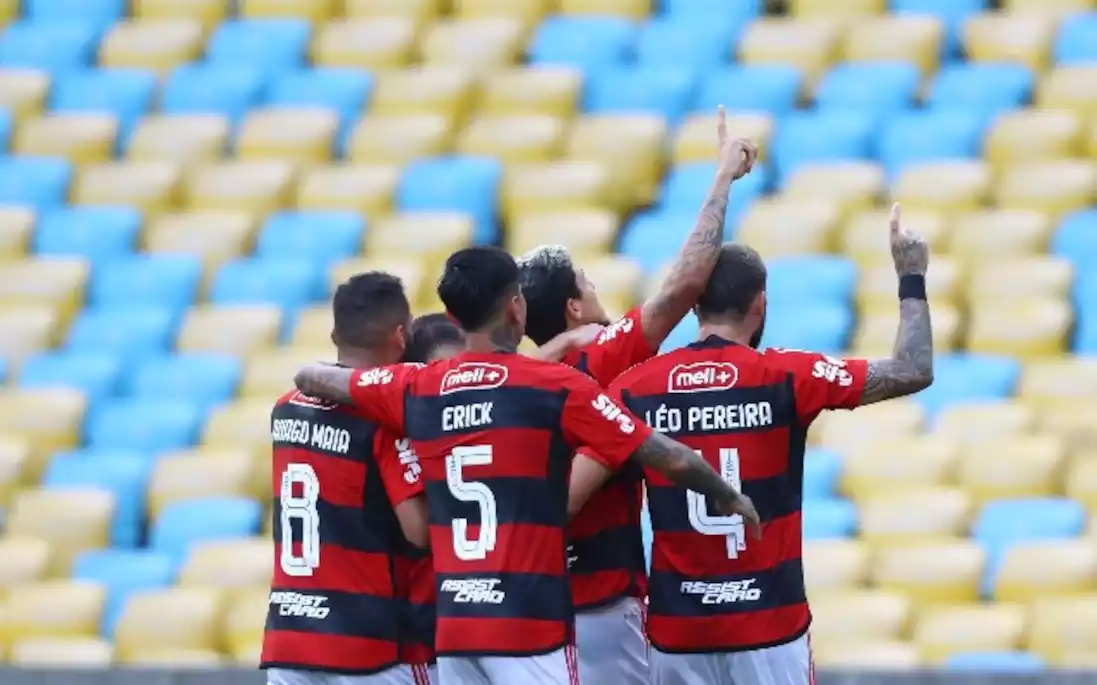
(474, 492)
(731, 527)
(301, 508)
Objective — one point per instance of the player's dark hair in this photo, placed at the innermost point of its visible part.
(739, 276)
(475, 283)
(428, 333)
(367, 308)
(548, 281)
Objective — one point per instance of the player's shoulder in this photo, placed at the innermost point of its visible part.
(624, 325)
(791, 359)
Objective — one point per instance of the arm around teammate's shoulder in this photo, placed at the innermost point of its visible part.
(377, 393)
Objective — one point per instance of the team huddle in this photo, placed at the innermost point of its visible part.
(448, 510)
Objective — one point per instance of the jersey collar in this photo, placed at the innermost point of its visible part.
(711, 343)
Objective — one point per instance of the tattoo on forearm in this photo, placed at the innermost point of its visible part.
(684, 467)
(331, 383)
(910, 368)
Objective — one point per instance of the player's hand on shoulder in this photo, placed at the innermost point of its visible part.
(909, 250)
(737, 155)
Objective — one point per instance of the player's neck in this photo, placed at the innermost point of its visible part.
(728, 331)
(496, 338)
(359, 359)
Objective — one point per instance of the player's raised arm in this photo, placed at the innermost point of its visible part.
(691, 270)
(378, 392)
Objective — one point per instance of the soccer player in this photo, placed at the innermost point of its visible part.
(726, 610)
(607, 561)
(495, 432)
(347, 501)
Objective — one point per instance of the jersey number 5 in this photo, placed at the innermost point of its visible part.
(705, 523)
(476, 492)
(301, 508)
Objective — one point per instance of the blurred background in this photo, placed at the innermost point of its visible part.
(183, 181)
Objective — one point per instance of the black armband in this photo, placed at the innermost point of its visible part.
(912, 287)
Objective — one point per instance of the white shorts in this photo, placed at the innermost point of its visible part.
(555, 668)
(787, 664)
(403, 674)
(611, 642)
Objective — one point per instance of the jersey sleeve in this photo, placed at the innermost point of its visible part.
(607, 431)
(378, 393)
(620, 346)
(399, 467)
(821, 382)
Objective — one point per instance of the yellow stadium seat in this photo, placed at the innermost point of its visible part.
(26, 560)
(230, 564)
(255, 462)
(898, 38)
(1070, 380)
(888, 656)
(58, 608)
(618, 280)
(977, 421)
(61, 652)
(424, 90)
(159, 44)
(630, 145)
(887, 518)
(372, 43)
(230, 329)
(27, 328)
(243, 425)
(1091, 142)
(854, 185)
(1015, 466)
(875, 335)
(149, 186)
(1052, 187)
(866, 237)
(1081, 482)
(555, 187)
(23, 91)
(1042, 276)
(416, 9)
(1048, 568)
(834, 565)
(950, 186)
(1070, 419)
(427, 237)
(695, 139)
(1031, 327)
(366, 188)
(212, 236)
(513, 138)
(993, 234)
(859, 614)
(478, 44)
(944, 571)
(811, 9)
(259, 187)
(410, 272)
(50, 420)
(78, 137)
(313, 10)
(72, 520)
(779, 227)
(1071, 87)
(312, 331)
(15, 455)
(943, 631)
(395, 138)
(270, 374)
(631, 9)
(809, 45)
(9, 10)
(300, 134)
(1023, 38)
(176, 619)
(243, 624)
(1051, 7)
(57, 281)
(1027, 136)
(190, 477)
(208, 12)
(529, 11)
(551, 90)
(16, 226)
(848, 430)
(879, 284)
(1062, 626)
(174, 659)
(883, 465)
(183, 138)
(583, 232)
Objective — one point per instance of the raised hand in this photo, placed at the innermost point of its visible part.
(908, 249)
(737, 156)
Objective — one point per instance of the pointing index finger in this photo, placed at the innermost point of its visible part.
(893, 220)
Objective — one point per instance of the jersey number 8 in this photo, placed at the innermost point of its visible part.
(729, 526)
(301, 508)
(477, 493)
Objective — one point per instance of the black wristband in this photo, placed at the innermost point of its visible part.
(912, 287)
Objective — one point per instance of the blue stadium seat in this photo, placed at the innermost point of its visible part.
(930, 135)
(1077, 39)
(125, 93)
(3, 371)
(686, 185)
(987, 87)
(273, 44)
(53, 47)
(684, 333)
(1076, 240)
(961, 378)
(101, 13)
(586, 43)
(344, 90)
(652, 239)
(1004, 523)
(97, 234)
(829, 518)
(130, 331)
(123, 573)
(125, 475)
(663, 90)
(822, 469)
(818, 278)
(288, 283)
(810, 326)
(320, 237)
(145, 425)
(741, 10)
(6, 126)
(994, 663)
(39, 182)
(762, 88)
(454, 184)
(809, 137)
(163, 280)
(181, 524)
(96, 373)
(692, 43)
(205, 379)
(228, 90)
(881, 88)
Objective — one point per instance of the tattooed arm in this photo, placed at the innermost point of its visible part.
(325, 382)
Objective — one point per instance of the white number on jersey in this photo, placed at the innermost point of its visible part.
(472, 491)
(729, 526)
(300, 508)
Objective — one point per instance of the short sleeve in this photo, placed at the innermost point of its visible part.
(620, 346)
(399, 467)
(821, 382)
(378, 393)
(608, 431)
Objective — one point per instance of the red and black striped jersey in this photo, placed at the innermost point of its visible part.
(606, 549)
(711, 589)
(495, 434)
(337, 602)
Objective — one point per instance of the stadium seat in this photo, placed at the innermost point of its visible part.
(312, 329)
(886, 519)
(39, 183)
(26, 329)
(144, 424)
(975, 422)
(182, 138)
(631, 146)
(560, 186)
(123, 574)
(885, 465)
(410, 271)
(270, 374)
(185, 523)
(931, 135)
(207, 379)
(231, 564)
(695, 140)
(1029, 327)
(877, 287)
(854, 185)
(208, 12)
(286, 283)
(1058, 381)
(96, 374)
(882, 88)
(243, 425)
(663, 91)
(1076, 240)
(243, 624)
(966, 378)
(946, 571)
(1020, 38)
(428, 237)
(686, 42)
(61, 652)
(512, 138)
(988, 87)
(226, 90)
(845, 9)
(212, 237)
(52, 47)
(845, 430)
(860, 614)
(23, 94)
(274, 44)
(148, 280)
(834, 565)
(258, 187)
(321, 236)
(584, 232)
(618, 281)
(779, 228)
(479, 44)
(822, 468)
(1033, 136)
(1030, 571)
(172, 620)
(808, 45)
(133, 330)
(49, 419)
(399, 138)
(416, 9)
(988, 663)
(16, 228)
(150, 187)
(993, 234)
(229, 329)
(71, 520)
(823, 136)
(897, 38)
(58, 281)
(1052, 187)
(865, 236)
(876, 331)
(368, 189)
(300, 134)
(553, 91)
(314, 11)
(194, 477)
(343, 91)
(834, 279)
(1074, 42)
(1003, 524)
(156, 44)
(1068, 87)
(889, 656)
(469, 185)
(369, 43)
(1013, 467)
(96, 234)
(586, 43)
(944, 632)
(1041, 276)
(57, 608)
(1062, 628)
(26, 560)
(826, 519)
(742, 89)
(424, 90)
(126, 94)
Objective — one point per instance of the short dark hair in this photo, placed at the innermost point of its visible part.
(428, 333)
(474, 284)
(548, 280)
(739, 275)
(367, 308)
